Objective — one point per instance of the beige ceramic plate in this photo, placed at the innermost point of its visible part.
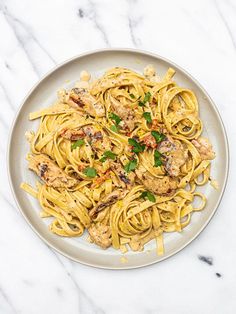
(43, 94)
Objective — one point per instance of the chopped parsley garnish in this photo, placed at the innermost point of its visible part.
(158, 136)
(90, 172)
(147, 117)
(149, 196)
(114, 128)
(78, 143)
(157, 159)
(131, 165)
(115, 118)
(132, 96)
(108, 154)
(137, 147)
(145, 99)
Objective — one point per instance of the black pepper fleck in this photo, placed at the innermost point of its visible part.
(218, 275)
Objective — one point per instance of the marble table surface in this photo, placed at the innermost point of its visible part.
(198, 35)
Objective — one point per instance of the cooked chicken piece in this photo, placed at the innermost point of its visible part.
(167, 145)
(81, 99)
(175, 160)
(125, 113)
(150, 141)
(96, 139)
(204, 148)
(176, 155)
(49, 172)
(72, 135)
(159, 186)
(92, 134)
(100, 234)
(126, 179)
(108, 200)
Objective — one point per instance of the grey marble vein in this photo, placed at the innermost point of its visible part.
(8, 301)
(3, 197)
(206, 259)
(132, 23)
(131, 30)
(18, 25)
(7, 97)
(225, 24)
(94, 18)
(80, 13)
(7, 65)
(87, 302)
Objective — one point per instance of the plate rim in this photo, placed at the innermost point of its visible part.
(94, 52)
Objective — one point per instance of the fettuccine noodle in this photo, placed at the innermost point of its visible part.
(120, 156)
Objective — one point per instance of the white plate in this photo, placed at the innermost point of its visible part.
(44, 93)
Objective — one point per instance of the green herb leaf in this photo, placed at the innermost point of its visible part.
(157, 159)
(114, 128)
(158, 136)
(147, 117)
(78, 143)
(131, 165)
(158, 163)
(108, 154)
(90, 172)
(103, 159)
(145, 99)
(141, 103)
(115, 118)
(149, 196)
(132, 96)
(137, 147)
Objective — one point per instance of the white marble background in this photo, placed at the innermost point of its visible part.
(34, 37)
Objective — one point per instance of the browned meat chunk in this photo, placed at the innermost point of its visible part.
(159, 186)
(125, 113)
(167, 145)
(81, 99)
(72, 135)
(150, 141)
(49, 172)
(175, 155)
(127, 179)
(204, 148)
(96, 138)
(175, 160)
(92, 134)
(108, 200)
(100, 234)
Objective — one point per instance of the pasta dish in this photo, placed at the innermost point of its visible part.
(120, 156)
